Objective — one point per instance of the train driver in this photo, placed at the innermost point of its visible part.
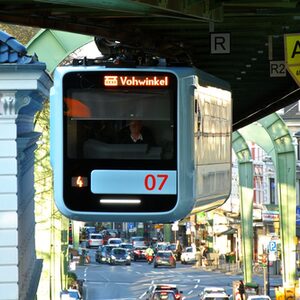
(136, 133)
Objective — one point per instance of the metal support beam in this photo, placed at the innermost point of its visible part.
(246, 201)
(62, 44)
(272, 135)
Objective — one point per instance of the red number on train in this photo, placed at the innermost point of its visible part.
(164, 179)
(150, 181)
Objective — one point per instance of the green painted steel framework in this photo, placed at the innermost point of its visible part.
(61, 43)
(245, 167)
(270, 133)
(273, 136)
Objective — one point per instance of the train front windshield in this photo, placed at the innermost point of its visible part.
(118, 121)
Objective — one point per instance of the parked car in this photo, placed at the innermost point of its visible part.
(138, 241)
(139, 253)
(189, 255)
(164, 258)
(114, 241)
(213, 293)
(129, 248)
(95, 240)
(119, 256)
(163, 287)
(102, 254)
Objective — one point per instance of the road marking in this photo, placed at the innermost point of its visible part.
(142, 295)
(190, 292)
(196, 286)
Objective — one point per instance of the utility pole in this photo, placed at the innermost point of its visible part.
(265, 263)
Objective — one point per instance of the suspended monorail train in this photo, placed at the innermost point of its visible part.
(180, 162)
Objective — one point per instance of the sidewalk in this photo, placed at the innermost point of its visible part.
(230, 269)
(233, 269)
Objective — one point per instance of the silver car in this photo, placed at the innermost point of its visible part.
(138, 241)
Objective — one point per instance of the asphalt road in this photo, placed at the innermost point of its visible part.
(105, 282)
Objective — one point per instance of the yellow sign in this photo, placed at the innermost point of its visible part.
(289, 293)
(292, 49)
(279, 293)
(295, 72)
(158, 226)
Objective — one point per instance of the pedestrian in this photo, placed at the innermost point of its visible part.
(178, 250)
(205, 256)
(241, 289)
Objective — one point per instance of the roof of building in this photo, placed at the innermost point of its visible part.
(13, 52)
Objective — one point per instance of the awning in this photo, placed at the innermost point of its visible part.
(227, 232)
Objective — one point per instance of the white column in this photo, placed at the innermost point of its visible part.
(9, 277)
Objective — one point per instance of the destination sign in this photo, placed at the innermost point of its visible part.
(155, 81)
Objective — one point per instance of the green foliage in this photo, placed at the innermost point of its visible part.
(43, 172)
(72, 279)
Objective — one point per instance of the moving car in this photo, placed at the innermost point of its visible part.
(188, 255)
(138, 241)
(95, 240)
(164, 258)
(129, 248)
(139, 253)
(119, 256)
(163, 287)
(114, 241)
(172, 247)
(109, 233)
(214, 293)
(163, 295)
(102, 254)
(162, 246)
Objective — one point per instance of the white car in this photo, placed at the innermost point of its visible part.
(213, 293)
(114, 242)
(189, 255)
(138, 241)
(95, 240)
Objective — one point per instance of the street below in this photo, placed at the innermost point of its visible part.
(106, 282)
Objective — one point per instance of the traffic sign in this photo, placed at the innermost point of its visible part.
(277, 68)
(175, 226)
(272, 246)
(219, 43)
(292, 49)
(130, 225)
(292, 55)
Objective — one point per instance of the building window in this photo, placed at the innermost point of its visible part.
(272, 190)
(298, 148)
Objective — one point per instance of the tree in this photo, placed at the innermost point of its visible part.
(21, 33)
